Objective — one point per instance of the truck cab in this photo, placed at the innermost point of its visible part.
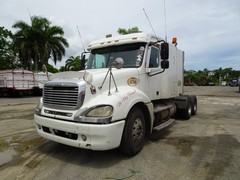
(132, 86)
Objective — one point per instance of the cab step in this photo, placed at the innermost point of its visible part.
(163, 125)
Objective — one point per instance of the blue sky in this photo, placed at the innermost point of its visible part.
(207, 30)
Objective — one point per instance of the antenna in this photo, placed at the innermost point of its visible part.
(29, 14)
(165, 20)
(81, 39)
(149, 22)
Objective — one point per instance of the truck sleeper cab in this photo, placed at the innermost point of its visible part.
(132, 87)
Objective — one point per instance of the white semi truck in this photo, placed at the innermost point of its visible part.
(132, 86)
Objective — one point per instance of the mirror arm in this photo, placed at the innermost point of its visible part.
(152, 43)
(83, 60)
(156, 73)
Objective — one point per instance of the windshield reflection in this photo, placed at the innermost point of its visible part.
(132, 55)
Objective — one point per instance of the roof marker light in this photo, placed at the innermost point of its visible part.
(174, 40)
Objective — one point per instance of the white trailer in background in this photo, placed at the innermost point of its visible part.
(16, 82)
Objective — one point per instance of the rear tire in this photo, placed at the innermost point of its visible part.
(186, 113)
(134, 133)
(194, 105)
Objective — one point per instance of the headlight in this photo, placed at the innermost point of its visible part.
(100, 111)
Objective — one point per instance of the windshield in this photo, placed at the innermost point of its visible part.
(132, 55)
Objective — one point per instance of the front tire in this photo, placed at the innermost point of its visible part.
(134, 133)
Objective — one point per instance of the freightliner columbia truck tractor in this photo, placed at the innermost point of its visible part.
(131, 87)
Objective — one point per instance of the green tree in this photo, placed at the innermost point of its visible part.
(191, 77)
(73, 63)
(205, 71)
(7, 57)
(38, 42)
(51, 69)
(62, 68)
(128, 31)
(204, 77)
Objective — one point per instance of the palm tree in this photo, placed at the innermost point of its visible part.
(73, 63)
(39, 42)
(23, 43)
(54, 44)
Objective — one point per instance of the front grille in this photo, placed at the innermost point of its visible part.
(62, 96)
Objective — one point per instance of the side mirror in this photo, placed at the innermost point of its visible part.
(164, 51)
(83, 55)
(165, 64)
(118, 63)
(44, 68)
(83, 60)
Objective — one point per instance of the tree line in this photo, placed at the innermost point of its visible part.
(207, 77)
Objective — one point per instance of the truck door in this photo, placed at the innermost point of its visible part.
(153, 66)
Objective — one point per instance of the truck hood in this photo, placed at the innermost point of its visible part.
(67, 75)
(95, 76)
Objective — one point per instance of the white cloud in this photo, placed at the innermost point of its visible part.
(207, 31)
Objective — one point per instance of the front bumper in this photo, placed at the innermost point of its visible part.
(87, 136)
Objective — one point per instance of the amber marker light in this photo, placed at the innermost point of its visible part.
(174, 40)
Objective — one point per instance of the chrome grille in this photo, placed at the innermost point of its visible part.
(61, 95)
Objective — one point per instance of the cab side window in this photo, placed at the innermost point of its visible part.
(154, 58)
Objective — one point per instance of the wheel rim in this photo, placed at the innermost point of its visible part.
(137, 131)
(195, 107)
(189, 110)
